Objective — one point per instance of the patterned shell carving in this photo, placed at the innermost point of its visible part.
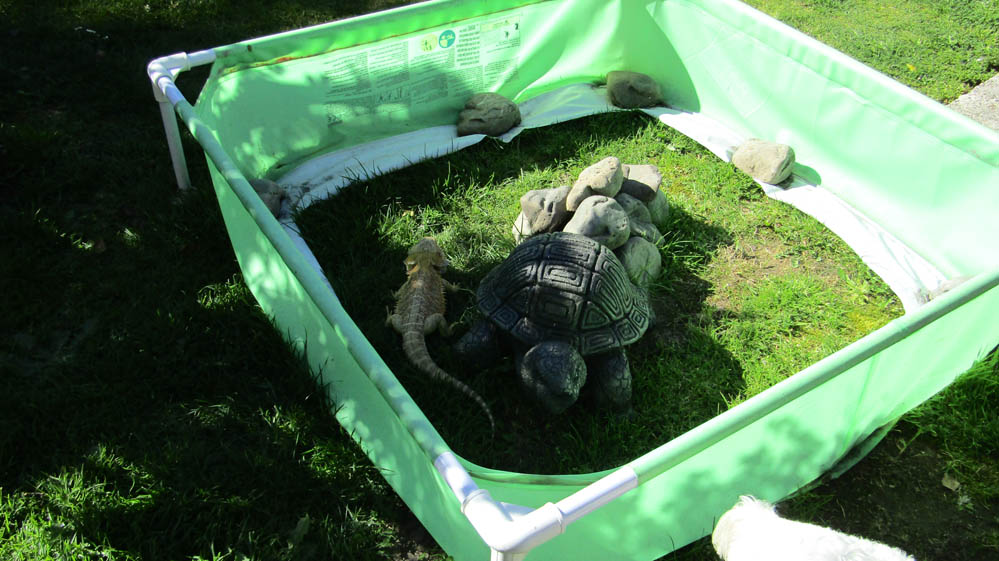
(565, 287)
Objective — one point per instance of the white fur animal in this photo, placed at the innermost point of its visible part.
(752, 531)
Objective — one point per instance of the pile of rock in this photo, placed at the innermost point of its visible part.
(618, 205)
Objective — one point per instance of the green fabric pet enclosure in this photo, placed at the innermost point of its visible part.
(910, 185)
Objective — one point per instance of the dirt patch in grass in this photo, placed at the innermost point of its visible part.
(895, 495)
(753, 259)
(898, 495)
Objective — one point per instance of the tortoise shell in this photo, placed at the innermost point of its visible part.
(565, 287)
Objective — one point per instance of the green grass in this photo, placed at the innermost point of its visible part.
(964, 419)
(752, 290)
(939, 47)
(150, 411)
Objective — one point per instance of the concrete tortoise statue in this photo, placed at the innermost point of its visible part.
(563, 304)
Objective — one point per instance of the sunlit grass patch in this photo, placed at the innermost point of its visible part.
(940, 48)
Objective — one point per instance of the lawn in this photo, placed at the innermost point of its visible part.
(150, 411)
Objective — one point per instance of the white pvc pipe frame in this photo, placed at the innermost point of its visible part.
(510, 531)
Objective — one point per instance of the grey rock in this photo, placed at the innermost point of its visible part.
(522, 228)
(944, 287)
(763, 160)
(641, 259)
(488, 113)
(577, 195)
(601, 219)
(630, 90)
(602, 178)
(544, 209)
(659, 210)
(646, 230)
(271, 193)
(641, 181)
(634, 208)
(639, 217)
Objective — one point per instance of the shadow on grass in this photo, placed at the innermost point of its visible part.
(149, 409)
(167, 426)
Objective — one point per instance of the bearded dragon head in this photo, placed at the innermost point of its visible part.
(426, 253)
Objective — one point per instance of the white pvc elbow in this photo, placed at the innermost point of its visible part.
(515, 529)
(164, 70)
(510, 528)
(162, 73)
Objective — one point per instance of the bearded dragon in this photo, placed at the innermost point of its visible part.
(419, 311)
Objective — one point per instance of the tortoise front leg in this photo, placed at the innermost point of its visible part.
(610, 377)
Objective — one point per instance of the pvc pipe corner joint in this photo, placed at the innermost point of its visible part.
(515, 530)
(164, 70)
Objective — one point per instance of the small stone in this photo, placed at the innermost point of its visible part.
(601, 219)
(764, 161)
(646, 230)
(641, 181)
(545, 209)
(602, 178)
(577, 195)
(630, 90)
(951, 483)
(659, 210)
(641, 259)
(981, 103)
(634, 208)
(488, 113)
(522, 228)
(946, 286)
(639, 218)
(270, 192)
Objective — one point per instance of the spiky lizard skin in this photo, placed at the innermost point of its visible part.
(419, 311)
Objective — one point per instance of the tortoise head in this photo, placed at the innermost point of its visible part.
(552, 373)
